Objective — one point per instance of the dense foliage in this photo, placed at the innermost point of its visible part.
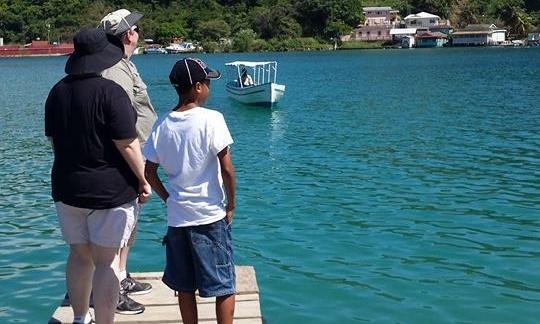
(248, 24)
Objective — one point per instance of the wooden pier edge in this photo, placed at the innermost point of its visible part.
(162, 305)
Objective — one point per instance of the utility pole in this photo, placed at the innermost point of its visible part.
(48, 32)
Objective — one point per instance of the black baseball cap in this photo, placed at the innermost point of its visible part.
(189, 71)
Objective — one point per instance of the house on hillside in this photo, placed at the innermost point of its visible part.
(377, 25)
(479, 35)
(422, 20)
(428, 22)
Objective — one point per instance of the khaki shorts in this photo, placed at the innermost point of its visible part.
(103, 227)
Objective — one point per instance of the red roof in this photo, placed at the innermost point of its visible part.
(431, 35)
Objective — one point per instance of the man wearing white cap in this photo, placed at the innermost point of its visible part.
(122, 24)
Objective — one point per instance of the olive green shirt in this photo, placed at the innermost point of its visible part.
(126, 75)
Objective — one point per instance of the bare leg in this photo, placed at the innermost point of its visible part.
(79, 272)
(225, 309)
(105, 284)
(124, 252)
(188, 307)
(123, 258)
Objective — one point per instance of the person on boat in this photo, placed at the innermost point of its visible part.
(122, 24)
(97, 175)
(191, 143)
(246, 78)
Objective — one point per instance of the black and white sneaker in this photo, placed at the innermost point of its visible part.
(128, 306)
(134, 287)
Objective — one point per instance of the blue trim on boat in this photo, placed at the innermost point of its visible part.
(244, 94)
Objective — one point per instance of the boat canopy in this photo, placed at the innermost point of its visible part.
(249, 63)
(260, 72)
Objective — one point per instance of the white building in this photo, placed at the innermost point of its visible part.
(422, 20)
(479, 35)
(405, 36)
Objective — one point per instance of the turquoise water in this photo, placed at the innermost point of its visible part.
(387, 186)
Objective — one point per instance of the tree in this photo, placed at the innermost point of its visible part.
(275, 22)
(167, 31)
(337, 28)
(462, 13)
(244, 40)
(512, 14)
(214, 29)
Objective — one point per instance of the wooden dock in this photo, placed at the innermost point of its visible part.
(162, 305)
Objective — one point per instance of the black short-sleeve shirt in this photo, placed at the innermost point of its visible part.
(83, 115)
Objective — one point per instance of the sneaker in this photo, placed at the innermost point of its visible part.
(90, 322)
(134, 287)
(87, 320)
(128, 306)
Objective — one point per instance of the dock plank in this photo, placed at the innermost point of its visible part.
(162, 304)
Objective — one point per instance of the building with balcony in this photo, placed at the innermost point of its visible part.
(377, 25)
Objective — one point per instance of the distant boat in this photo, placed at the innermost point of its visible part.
(263, 91)
(154, 49)
(184, 47)
(37, 48)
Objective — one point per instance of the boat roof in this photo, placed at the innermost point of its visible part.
(249, 63)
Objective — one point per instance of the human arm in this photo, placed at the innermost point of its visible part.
(229, 181)
(130, 150)
(150, 171)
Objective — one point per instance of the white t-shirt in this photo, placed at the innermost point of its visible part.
(186, 144)
(248, 81)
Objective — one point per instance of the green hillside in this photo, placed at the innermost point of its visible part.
(250, 24)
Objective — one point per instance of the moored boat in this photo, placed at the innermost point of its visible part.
(184, 47)
(154, 49)
(36, 48)
(254, 82)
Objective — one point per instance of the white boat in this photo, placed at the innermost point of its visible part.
(154, 49)
(184, 47)
(264, 89)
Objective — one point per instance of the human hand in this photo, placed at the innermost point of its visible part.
(229, 213)
(145, 191)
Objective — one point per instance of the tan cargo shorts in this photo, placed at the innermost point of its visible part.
(104, 227)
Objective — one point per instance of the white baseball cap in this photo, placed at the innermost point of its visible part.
(119, 21)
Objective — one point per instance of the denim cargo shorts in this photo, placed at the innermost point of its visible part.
(200, 257)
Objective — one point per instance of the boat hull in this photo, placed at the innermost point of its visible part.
(264, 94)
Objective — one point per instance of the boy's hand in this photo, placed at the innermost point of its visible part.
(229, 213)
(144, 192)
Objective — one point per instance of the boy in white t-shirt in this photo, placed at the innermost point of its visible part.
(191, 144)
